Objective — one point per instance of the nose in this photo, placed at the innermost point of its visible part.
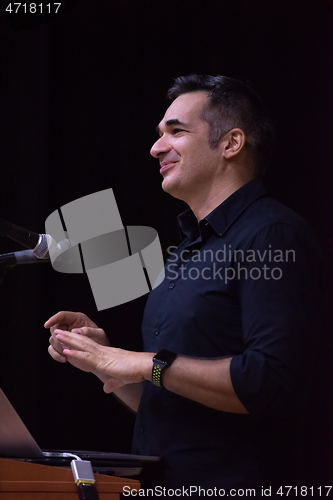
(159, 147)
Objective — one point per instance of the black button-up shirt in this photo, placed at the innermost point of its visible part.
(242, 284)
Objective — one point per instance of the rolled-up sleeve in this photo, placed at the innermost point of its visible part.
(279, 293)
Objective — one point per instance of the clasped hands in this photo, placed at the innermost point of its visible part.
(78, 340)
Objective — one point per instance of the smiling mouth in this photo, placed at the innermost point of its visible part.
(167, 166)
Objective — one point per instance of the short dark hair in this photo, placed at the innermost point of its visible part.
(232, 104)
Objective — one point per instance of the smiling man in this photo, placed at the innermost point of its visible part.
(222, 384)
(193, 171)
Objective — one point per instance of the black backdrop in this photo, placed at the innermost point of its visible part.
(80, 98)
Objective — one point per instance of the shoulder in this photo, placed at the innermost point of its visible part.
(265, 211)
(267, 217)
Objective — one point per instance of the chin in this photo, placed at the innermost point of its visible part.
(168, 186)
(172, 190)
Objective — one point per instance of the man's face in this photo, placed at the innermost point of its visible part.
(188, 164)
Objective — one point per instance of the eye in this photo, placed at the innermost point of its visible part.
(177, 130)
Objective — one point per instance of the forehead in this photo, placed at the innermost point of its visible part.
(186, 108)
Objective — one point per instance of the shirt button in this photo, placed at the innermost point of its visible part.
(142, 429)
(171, 286)
(157, 331)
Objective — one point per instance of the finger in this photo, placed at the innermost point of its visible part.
(57, 346)
(55, 355)
(77, 341)
(87, 357)
(62, 317)
(59, 327)
(96, 334)
(112, 384)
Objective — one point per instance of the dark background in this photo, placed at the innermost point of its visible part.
(80, 98)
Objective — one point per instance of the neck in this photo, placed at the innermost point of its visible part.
(208, 199)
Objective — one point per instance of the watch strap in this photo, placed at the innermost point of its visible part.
(161, 360)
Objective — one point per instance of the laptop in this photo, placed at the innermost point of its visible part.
(17, 442)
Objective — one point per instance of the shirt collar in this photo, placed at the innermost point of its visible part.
(224, 215)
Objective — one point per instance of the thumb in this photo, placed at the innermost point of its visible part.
(112, 384)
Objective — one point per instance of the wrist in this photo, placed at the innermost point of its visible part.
(147, 367)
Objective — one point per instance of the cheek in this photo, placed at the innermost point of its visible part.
(201, 159)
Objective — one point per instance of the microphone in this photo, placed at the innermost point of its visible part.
(9, 260)
(41, 246)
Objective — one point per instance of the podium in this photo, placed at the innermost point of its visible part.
(27, 481)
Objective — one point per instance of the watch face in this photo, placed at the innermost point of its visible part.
(165, 356)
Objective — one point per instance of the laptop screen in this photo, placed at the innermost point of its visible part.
(17, 442)
(15, 439)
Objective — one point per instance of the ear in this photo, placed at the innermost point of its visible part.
(234, 142)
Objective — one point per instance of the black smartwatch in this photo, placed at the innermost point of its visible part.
(161, 360)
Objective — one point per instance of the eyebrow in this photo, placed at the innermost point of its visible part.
(169, 123)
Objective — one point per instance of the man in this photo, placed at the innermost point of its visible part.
(235, 312)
